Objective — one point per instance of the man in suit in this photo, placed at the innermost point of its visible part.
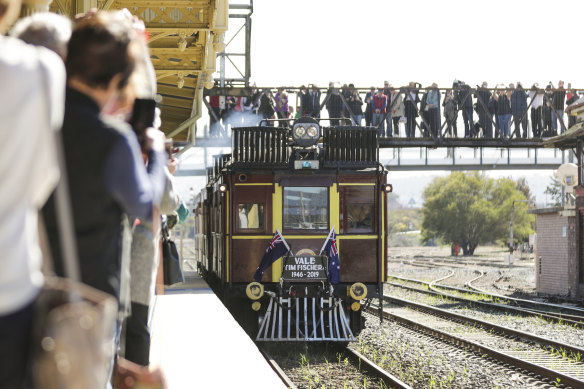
(312, 102)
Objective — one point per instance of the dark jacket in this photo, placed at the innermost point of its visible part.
(558, 100)
(483, 95)
(503, 105)
(312, 104)
(334, 103)
(266, 107)
(411, 105)
(572, 99)
(464, 97)
(97, 216)
(356, 105)
(368, 95)
(518, 101)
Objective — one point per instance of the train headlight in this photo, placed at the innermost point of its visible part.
(312, 131)
(256, 305)
(355, 306)
(299, 131)
(387, 188)
(305, 132)
(358, 291)
(254, 290)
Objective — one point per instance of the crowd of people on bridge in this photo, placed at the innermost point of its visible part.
(502, 112)
(90, 87)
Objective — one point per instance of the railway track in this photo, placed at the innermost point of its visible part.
(572, 313)
(353, 370)
(389, 379)
(550, 312)
(278, 370)
(558, 363)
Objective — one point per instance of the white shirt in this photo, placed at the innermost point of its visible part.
(31, 107)
(537, 99)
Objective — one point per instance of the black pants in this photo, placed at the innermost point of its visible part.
(395, 120)
(336, 115)
(451, 128)
(571, 121)
(411, 125)
(138, 335)
(15, 346)
(282, 115)
(520, 117)
(469, 130)
(434, 122)
(368, 116)
(485, 123)
(536, 126)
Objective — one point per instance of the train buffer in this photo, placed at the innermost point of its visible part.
(197, 343)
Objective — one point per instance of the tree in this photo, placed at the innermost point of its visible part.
(554, 190)
(470, 208)
(523, 186)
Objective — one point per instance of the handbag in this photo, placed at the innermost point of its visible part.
(73, 333)
(170, 260)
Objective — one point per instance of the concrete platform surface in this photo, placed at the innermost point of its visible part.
(197, 344)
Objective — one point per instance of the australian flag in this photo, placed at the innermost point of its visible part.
(277, 248)
(330, 248)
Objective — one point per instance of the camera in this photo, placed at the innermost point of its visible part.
(143, 114)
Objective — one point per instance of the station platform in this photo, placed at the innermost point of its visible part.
(197, 344)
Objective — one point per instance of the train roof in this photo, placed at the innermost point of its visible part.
(270, 149)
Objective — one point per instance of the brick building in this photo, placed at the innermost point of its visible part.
(557, 267)
(559, 260)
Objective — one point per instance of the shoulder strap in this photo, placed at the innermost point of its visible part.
(62, 198)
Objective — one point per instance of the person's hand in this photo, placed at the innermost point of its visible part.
(154, 140)
(172, 165)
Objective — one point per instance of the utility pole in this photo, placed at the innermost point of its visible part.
(511, 227)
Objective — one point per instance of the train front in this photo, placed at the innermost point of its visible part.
(321, 194)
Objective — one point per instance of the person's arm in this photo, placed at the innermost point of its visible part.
(135, 187)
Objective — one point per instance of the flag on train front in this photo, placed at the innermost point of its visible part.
(334, 265)
(276, 249)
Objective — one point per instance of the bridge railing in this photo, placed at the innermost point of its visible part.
(473, 113)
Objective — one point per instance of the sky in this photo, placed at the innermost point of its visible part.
(367, 42)
(370, 41)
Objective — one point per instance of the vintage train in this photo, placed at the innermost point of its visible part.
(305, 183)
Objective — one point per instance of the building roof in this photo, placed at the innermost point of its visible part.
(539, 211)
(568, 139)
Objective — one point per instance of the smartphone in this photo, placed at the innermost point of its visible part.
(143, 115)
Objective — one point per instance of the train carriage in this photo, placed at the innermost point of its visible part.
(303, 182)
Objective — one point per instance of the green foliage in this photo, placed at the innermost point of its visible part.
(554, 190)
(470, 209)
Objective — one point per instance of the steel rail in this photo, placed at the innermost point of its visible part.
(555, 318)
(577, 320)
(278, 370)
(389, 379)
(495, 354)
(488, 325)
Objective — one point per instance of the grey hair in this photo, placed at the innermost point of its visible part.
(45, 29)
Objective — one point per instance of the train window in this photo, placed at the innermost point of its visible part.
(359, 217)
(250, 216)
(358, 209)
(305, 208)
